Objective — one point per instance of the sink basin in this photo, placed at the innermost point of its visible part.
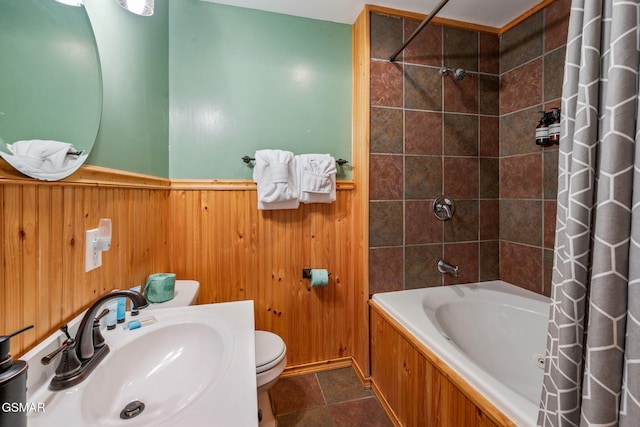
(187, 366)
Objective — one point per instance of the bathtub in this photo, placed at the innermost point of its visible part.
(492, 334)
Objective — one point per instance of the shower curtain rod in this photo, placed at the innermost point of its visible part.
(423, 24)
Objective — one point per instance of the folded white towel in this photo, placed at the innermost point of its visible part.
(275, 174)
(317, 178)
(44, 160)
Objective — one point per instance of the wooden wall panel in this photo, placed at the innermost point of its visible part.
(237, 252)
(417, 392)
(42, 226)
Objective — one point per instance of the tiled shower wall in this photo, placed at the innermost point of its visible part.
(471, 140)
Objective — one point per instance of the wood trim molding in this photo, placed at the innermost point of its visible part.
(89, 176)
(104, 177)
(312, 368)
(234, 184)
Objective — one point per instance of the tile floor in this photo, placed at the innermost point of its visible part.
(333, 398)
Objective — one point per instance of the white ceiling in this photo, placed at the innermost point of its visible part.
(492, 13)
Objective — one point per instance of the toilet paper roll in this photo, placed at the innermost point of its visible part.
(319, 277)
(160, 287)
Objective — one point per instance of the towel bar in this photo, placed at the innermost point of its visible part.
(248, 159)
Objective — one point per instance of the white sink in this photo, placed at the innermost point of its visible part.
(188, 366)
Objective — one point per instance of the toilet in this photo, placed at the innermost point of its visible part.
(271, 351)
(271, 359)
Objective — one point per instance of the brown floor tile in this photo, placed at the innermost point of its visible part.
(315, 417)
(341, 385)
(296, 393)
(359, 413)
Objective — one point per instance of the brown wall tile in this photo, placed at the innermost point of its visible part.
(386, 36)
(489, 136)
(548, 272)
(522, 43)
(421, 266)
(423, 177)
(521, 87)
(460, 49)
(556, 19)
(489, 56)
(521, 177)
(517, 132)
(521, 266)
(465, 256)
(550, 223)
(386, 130)
(461, 96)
(386, 84)
(426, 48)
(489, 95)
(423, 132)
(464, 225)
(420, 224)
(550, 174)
(521, 221)
(386, 267)
(385, 224)
(489, 219)
(461, 177)
(422, 88)
(385, 181)
(460, 135)
(489, 260)
(489, 178)
(553, 74)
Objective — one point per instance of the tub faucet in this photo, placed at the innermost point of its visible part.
(88, 355)
(445, 267)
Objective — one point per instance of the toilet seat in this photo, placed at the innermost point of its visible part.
(270, 350)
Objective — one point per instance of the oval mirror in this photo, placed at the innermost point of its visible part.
(50, 87)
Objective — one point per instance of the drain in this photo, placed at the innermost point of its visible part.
(132, 410)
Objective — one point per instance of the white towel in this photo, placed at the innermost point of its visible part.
(275, 174)
(44, 160)
(317, 178)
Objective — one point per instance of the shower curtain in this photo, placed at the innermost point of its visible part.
(592, 373)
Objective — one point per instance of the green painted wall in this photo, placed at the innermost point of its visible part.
(134, 129)
(242, 80)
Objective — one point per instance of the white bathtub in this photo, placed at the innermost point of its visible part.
(493, 334)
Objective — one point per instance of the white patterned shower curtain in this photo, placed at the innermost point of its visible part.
(592, 374)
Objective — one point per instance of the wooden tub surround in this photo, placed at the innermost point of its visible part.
(416, 388)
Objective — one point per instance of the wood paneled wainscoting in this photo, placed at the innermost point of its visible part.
(42, 235)
(418, 389)
(220, 238)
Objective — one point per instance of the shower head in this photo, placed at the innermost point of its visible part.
(458, 73)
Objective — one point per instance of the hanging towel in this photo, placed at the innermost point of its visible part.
(44, 160)
(317, 178)
(275, 174)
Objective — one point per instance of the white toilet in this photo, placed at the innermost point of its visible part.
(271, 351)
(271, 359)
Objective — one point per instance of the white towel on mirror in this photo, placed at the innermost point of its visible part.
(44, 160)
(275, 173)
(317, 178)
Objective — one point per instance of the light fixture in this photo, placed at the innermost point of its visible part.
(139, 7)
(76, 3)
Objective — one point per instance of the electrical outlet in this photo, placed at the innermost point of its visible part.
(93, 256)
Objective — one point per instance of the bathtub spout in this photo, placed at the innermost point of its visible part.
(445, 267)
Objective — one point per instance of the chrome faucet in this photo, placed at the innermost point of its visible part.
(87, 353)
(445, 267)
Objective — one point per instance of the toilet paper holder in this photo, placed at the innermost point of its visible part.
(306, 273)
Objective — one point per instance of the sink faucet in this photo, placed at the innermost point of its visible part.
(87, 354)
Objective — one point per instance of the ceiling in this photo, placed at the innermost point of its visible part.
(492, 13)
